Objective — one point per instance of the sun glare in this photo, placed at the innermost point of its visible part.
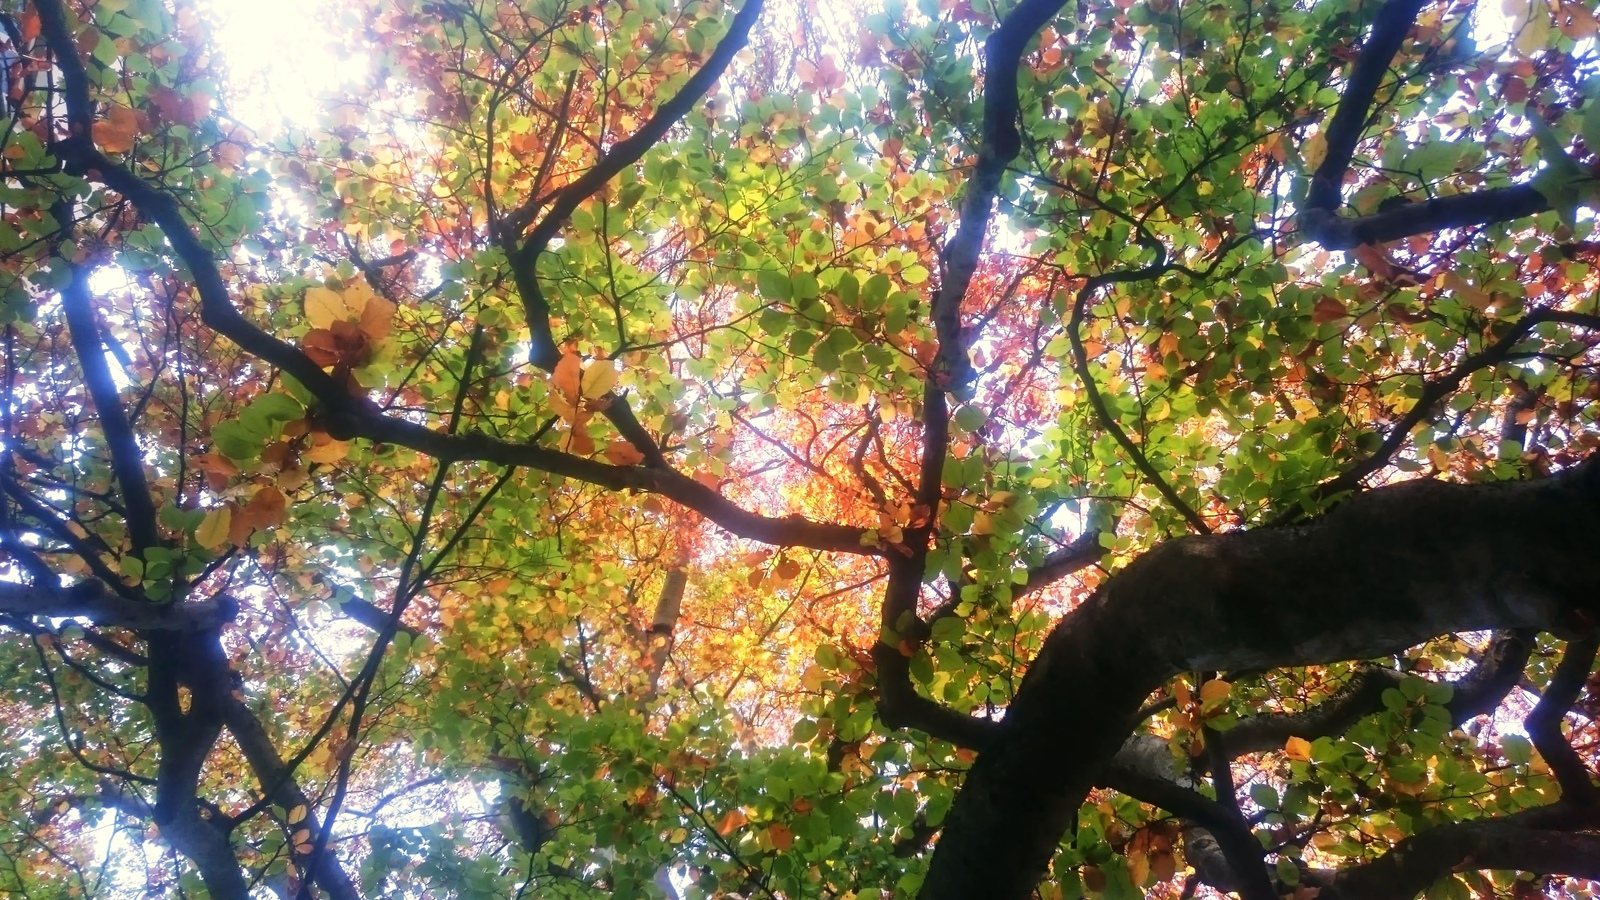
(283, 64)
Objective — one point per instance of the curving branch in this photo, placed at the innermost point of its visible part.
(1497, 672)
(1384, 571)
(1510, 843)
(999, 144)
(1544, 724)
(525, 258)
(1320, 220)
(1434, 392)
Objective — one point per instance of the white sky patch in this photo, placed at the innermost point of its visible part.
(283, 66)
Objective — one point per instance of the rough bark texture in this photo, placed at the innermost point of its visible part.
(1382, 572)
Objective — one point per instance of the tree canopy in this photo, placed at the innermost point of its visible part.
(783, 448)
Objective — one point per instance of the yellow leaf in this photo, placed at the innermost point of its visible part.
(1313, 150)
(298, 815)
(1138, 868)
(328, 450)
(213, 530)
(325, 306)
(678, 835)
(1532, 24)
(1297, 749)
(1214, 691)
(598, 379)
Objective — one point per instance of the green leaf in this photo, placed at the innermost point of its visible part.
(774, 285)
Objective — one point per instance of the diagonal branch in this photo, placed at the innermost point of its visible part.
(545, 353)
(127, 462)
(1433, 392)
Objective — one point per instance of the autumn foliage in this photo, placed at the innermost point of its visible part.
(804, 449)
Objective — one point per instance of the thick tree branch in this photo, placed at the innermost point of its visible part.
(90, 600)
(1413, 864)
(1382, 572)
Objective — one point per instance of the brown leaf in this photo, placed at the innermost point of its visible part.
(1328, 309)
(266, 509)
(320, 345)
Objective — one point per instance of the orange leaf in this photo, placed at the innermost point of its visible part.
(377, 318)
(568, 376)
(623, 453)
(1374, 259)
(782, 837)
(578, 442)
(1214, 691)
(115, 133)
(1297, 749)
(731, 821)
(265, 510)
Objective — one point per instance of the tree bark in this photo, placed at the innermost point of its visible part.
(1384, 571)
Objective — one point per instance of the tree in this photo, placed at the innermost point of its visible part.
(805, 450)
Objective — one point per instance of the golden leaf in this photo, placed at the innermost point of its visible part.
(324, 306)
(325, 449)
(1314, 150)
(598, 379)
(1297, 749)
(297, 815)
(213, 530)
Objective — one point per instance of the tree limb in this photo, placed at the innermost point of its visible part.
(1384, 571)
